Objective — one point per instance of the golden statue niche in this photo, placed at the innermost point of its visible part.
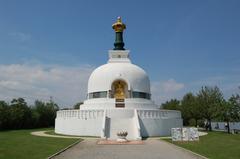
(119, 89)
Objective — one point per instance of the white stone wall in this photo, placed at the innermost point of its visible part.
(158, 126)
(92, 122)
(74, 126)
(76, 122)
(109, 103)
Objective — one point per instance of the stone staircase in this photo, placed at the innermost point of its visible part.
(115, 125)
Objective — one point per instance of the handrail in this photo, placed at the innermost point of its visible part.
(158, 114)
(80, 114)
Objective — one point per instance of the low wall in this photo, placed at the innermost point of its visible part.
(76, 122)
(158, 126)
(90, 122)
(75, 126)
(221, 125)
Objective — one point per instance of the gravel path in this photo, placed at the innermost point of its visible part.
(151, 149)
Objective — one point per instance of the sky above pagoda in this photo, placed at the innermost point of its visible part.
(49, 48)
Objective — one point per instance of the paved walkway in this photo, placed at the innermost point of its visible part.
(151, 149)
(43, 133)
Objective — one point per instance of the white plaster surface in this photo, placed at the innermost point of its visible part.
(90, 122)
(109, 103)
(102, 77)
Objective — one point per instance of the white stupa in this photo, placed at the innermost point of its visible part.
(118, 99)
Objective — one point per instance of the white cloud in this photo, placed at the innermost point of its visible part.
(229, 84)
(67, 85)
(171, 86)
(20, 36)
(166, 90)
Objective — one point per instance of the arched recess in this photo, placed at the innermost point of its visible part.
(119, 89)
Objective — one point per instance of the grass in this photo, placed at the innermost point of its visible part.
(215, 145)
(20, 144)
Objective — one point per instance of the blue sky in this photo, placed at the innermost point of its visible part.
(182, 45)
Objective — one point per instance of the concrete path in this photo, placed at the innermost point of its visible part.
(43, 133)
(152, 149)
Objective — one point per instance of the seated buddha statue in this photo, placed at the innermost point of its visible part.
(119, 91)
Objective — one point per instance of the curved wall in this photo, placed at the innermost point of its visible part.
(109, 103)
(92, 122)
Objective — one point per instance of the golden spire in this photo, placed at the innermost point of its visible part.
(119, 26)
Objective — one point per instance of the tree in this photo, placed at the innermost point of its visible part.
(173, 104)
(4, 115)
(190, 109)
(226, 113)
(77, 105)
(20, 114)
(45, 112)
(52, 108)
(230, 110)
(234, 101)
(210, 100)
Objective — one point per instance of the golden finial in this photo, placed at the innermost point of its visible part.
(119, 26)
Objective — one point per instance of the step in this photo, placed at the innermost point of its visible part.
(115, 125)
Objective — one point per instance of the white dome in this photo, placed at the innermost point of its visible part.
(102, 77)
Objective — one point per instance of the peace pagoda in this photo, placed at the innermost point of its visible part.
(118, 99)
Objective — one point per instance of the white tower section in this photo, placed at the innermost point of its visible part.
(119, 68)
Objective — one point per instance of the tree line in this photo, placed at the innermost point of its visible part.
(208, 104)
(198, 109)
(19, 115)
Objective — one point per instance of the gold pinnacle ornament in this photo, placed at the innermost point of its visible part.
(119, 26)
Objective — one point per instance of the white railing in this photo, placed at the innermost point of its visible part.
(93, 114)
(103, 125)
(80, 114)
(158, 114)
(136, 121)
(127, 113)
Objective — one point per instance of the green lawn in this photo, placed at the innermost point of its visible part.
(20, 144)
(215, 145)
